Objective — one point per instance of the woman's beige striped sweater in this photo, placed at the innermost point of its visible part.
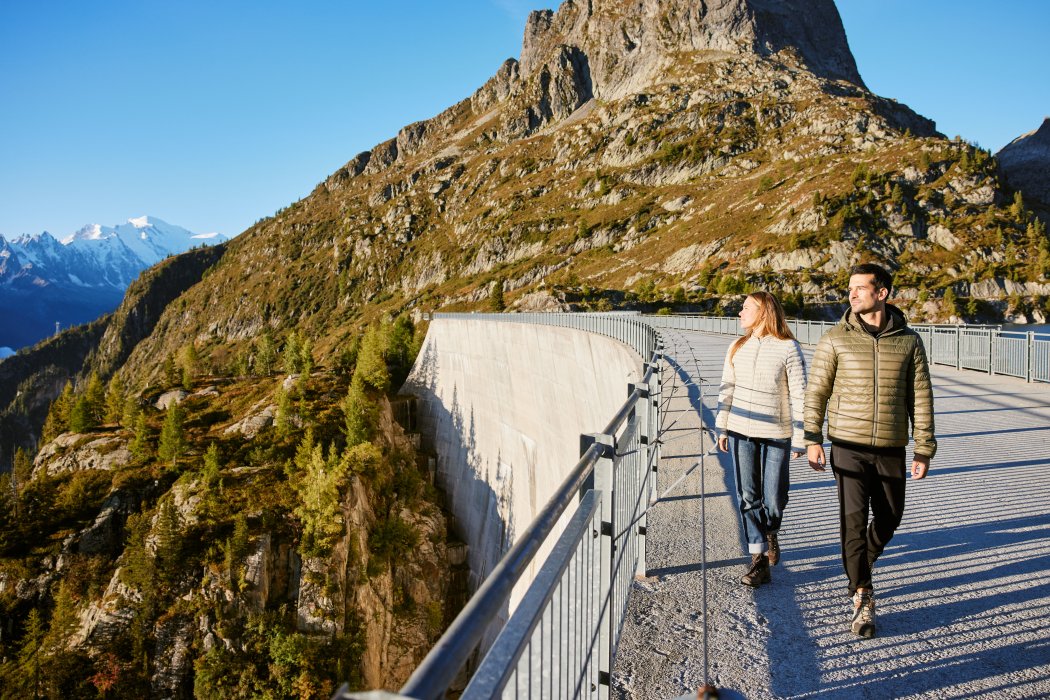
(763, 390)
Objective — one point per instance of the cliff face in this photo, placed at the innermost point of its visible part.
(1025, 163)
(626, 45)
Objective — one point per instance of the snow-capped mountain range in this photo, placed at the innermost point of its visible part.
(95, 256)
(46, 281)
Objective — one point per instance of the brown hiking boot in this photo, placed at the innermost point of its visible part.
(774, 548)
(757, 572)
(863, 623)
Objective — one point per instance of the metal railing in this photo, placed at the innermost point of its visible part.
(989, 349)
(561, 639)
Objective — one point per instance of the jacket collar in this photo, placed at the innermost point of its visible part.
(896, 321)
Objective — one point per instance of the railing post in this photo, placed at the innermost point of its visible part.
(602, 483)
(643, 412)
(991, 351)
(958, 347)
(1030, 348)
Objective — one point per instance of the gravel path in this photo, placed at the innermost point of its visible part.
(962, 590)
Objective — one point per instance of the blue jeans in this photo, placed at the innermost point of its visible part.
(762, 481)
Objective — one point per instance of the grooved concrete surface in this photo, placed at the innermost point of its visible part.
(962, 594)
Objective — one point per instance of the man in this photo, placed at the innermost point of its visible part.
(870, 374)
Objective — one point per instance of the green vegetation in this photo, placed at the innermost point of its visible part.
(203, 500)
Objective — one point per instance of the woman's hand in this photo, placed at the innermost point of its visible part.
(797, 453)
(723, 443)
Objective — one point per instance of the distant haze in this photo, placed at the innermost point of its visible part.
(45, 280)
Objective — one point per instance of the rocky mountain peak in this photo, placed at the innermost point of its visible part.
(624, 44)
(1025, 163)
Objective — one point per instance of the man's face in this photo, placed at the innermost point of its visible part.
(864, 295)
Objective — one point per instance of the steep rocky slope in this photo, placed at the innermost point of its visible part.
(1025, 162)
(646, 152)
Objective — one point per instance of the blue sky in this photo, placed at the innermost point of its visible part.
(213, 114)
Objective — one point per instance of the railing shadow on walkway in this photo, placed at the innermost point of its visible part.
(812, 655)
(573, 610)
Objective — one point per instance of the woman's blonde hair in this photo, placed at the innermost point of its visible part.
(771, 321)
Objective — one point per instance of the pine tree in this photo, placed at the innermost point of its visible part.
(371, 360)
(96, 398)
(236, 551)
(115, 398)
(265, 354)
(190, 361)
(318, 488)
(346, 359)
(212, 467)
(81, 417)
(359, 412)
(291, 359)
(171, 371)
(1017, 209)
(306, 366)
(8, 512)
(169, 543)
(57, 421)
(172, 434)
(131, 412)
(63, 617)
(21, 470)
(897, 195)
(401, 349)
(140, 444)
(30, 656)
(950, 302)
(496, 301)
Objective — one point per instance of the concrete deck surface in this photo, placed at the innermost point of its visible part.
(962, 595)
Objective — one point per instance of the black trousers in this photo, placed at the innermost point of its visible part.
(869, 479)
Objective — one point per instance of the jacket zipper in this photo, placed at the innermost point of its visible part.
(875, 422)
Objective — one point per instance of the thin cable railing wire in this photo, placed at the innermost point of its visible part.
(442, 664)
(645, 335)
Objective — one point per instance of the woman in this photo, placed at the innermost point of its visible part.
(760, 406)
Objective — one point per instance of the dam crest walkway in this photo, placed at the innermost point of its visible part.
(962, 594)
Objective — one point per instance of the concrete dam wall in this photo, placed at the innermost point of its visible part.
(503, 405)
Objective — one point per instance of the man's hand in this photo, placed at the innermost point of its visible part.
(723, 443)
(816, 457)
(920, 466)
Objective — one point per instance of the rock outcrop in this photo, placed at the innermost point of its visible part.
(629, 43)
(1025, 163)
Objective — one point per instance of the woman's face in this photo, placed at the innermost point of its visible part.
(750, 314)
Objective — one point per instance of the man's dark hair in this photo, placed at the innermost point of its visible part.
(883, 279)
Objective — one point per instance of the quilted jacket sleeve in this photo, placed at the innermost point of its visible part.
(795, 366)
(920, 404)
(725, 395)
(818, 390)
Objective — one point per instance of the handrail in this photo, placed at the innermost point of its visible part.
(598, 477)
(438, 669)
(984, 348)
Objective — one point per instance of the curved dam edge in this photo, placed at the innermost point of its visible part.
(503, 405)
